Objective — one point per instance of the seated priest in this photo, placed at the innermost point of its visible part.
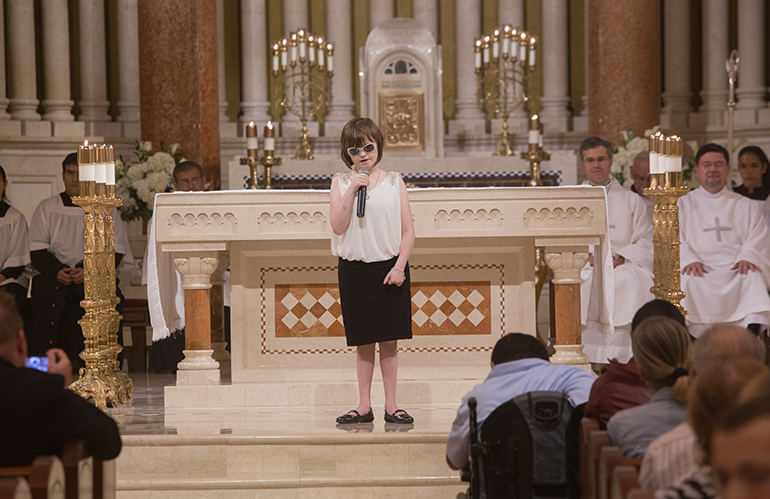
(56, 250)
(640, 174)
(724, 252)
(165, 295)
(624, 271)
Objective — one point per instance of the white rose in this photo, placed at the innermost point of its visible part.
(146, 146)
(173, 149)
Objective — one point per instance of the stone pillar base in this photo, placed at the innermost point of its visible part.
(571, 355)
(197, 368)
(222, 356)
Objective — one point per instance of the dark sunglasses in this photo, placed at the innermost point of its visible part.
(368, 148)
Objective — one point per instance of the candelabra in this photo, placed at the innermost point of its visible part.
(731, 65)
(535, 153)
(665, 189)
(502, 79)
(303, 66)
(101, 378)
(253, 160)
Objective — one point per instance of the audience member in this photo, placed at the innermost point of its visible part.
(519, 365)
(14, 247)
(674, 455)
(621, 386)
(37, 412)
(753, 168)
(56, 245)
(740, 451)
(662, 350)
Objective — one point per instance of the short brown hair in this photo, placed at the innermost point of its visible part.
(185, 166)
(10, 320)
(356, 133)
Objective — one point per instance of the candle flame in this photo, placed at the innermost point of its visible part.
(85, 143)
(270, 124)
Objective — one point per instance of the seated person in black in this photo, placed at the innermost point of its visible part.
(38, 414)
(56, 250)
(755, 172)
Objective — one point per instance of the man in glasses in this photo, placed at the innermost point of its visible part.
(624, 265)
(162, 280)
(724, 252)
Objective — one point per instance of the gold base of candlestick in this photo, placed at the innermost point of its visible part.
(101, 379)
(268, 162)
(304, 149)
(504, 144)
(535, 155)
(665, 189)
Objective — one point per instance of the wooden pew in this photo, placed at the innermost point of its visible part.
(610, 458)
(624, 480)
(596, 440)
(15, 488)
(587, 426)
(45, 477)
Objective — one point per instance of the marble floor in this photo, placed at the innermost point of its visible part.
(291, 452)
(146, 415)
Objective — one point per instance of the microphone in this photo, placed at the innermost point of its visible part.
(362, 196)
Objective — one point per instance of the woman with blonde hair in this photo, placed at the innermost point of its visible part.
(663, 352)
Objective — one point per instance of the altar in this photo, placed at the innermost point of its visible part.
(473, 281)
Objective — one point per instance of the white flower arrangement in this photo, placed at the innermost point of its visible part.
(623, 157)
(138, 184)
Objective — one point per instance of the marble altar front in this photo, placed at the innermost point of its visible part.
(473, 281)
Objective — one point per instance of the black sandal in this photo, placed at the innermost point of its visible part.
(399, 416)
(349, 418)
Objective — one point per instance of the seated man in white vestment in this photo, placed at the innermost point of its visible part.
(165, 296)
(640, 174)
(724, 252)
(56, 251)
(628, 267)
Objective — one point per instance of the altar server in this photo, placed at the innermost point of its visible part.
(56, 245)
(627, 268)
(373, 238)
(165, 295)
(14, 247)
(724, 252)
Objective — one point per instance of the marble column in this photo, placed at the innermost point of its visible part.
(254, 69)
(221, 71)
(198, 367)
(128, 62)
(218, 343)
(94, 105)
(716, 18)
(22, 85)
(56, 61)
(566, 264)
(426, 11)
(295, 16)
(676, 94)
(751, 45)
(512, 12)
(555, 61)
(469, 118)
(178, 70)
(338, 26)
(380, 11)
(4, 116)
(624, 67)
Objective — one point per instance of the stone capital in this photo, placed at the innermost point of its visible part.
(196, 268)
(218, 276)
(566, 263)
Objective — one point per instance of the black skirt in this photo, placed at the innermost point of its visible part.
(374, 312)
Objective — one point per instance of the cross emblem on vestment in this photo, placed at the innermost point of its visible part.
(717, 229)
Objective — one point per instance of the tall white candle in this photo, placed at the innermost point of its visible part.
(654, 163)
(86, 173)
(506, 45)
(330, 61)
(320, 56)
(532, 56)
(110, 174)
(495, 49)
(100, 173)
(283, 58)
(522, 53)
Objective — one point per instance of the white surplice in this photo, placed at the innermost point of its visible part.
(14, 245)
(630, 236)
(59, 229)
(165, 296)
(718, 230)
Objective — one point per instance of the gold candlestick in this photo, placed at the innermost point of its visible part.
(665, 189)
(268, 161)
(535, 153)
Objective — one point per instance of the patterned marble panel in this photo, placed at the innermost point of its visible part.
(453, 308)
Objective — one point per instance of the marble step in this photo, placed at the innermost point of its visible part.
(361, 464)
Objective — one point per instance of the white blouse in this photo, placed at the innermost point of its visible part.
(14, 243)
(377, 236)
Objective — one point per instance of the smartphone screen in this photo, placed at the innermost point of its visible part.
(39, 363)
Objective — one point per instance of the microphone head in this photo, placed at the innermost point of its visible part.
(364, 171)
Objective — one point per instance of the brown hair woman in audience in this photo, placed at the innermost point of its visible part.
(373, 270)
(755, 171)
(662, 350)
